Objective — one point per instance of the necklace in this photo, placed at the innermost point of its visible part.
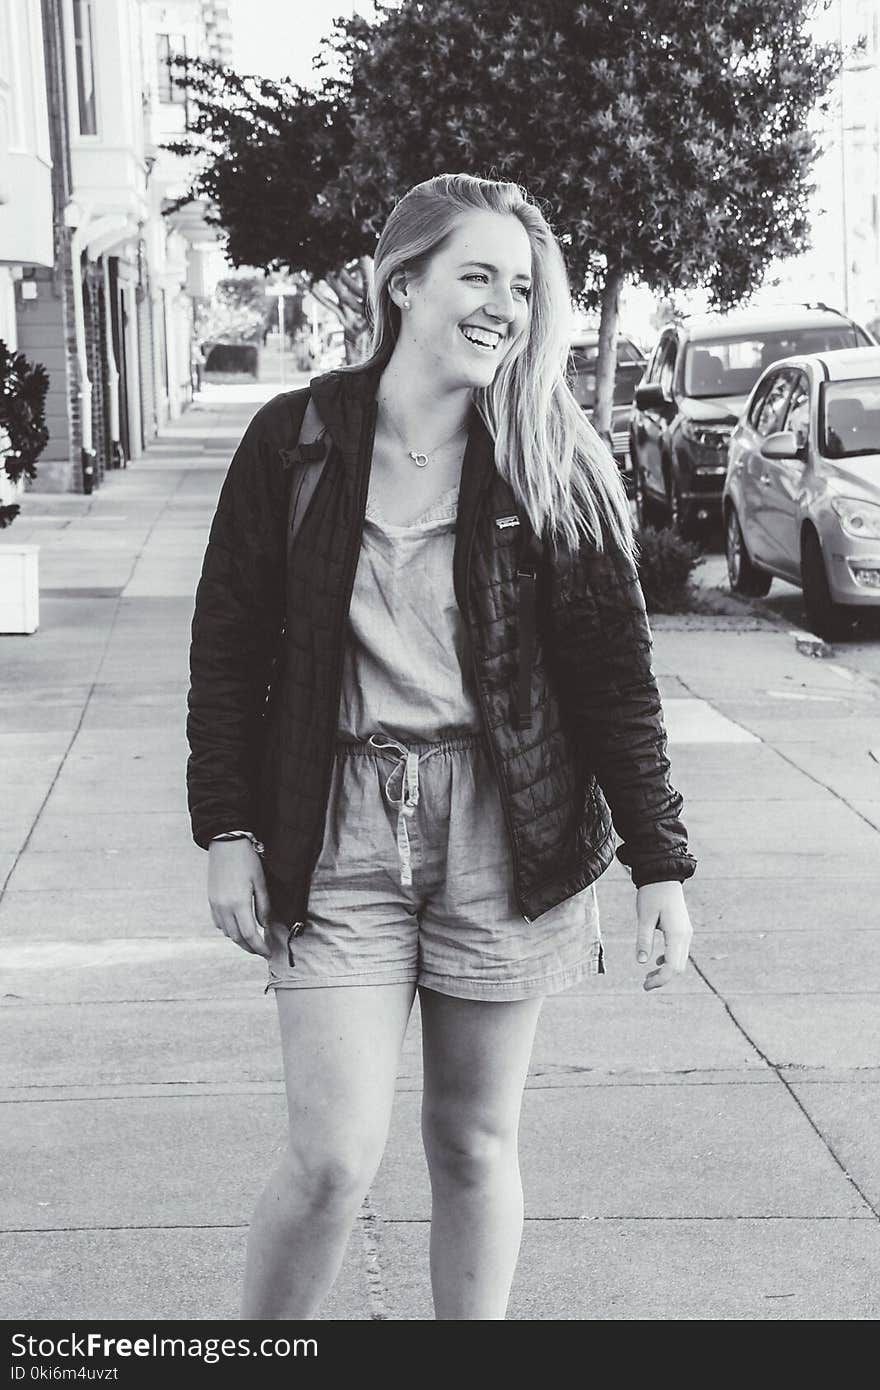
(419, 456)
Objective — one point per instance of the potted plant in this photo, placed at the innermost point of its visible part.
(23, 437)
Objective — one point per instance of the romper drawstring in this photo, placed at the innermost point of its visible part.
(408, 766)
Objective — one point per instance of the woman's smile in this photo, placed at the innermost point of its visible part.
(483, 339)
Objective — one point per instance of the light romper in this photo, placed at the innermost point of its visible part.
(414, 882)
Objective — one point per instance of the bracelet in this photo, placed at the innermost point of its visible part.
(241, 835)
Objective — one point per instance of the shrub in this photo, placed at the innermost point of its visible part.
(666, 564)
(23, 432)
(233, 357)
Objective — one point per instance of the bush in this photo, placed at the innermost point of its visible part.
(23, 432)
(233, 357)
(666, 564)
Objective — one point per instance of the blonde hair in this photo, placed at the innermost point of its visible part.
(558, 468)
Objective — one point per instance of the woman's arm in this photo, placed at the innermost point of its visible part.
(239, 612)
(600, 649)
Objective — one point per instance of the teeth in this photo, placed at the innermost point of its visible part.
(485, 340)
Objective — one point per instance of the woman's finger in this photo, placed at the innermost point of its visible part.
(250, 938)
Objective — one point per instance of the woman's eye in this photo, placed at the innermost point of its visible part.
(482, 278)
(525, 291)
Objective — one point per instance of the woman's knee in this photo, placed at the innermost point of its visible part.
(467, 1152)
(328, 1179)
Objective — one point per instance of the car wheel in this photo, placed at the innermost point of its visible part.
(681, 516)
(829, 620)
(742, 575)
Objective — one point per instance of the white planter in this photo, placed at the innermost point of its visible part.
(19, 587)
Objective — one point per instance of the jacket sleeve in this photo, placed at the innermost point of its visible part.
(600, 648)
(239, 612)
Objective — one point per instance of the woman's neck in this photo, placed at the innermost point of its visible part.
(421, 409)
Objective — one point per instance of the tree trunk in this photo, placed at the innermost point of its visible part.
(606, 366)
(348, 300)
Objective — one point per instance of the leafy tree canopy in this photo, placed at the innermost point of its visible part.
(665, 138)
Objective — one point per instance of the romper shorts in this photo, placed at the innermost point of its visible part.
(414, 885)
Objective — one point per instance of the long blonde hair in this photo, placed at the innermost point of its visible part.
(560, 471)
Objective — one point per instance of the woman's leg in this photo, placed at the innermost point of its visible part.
(476, 1057)
(341, 1051)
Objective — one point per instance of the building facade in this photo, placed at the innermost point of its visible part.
(97, 279)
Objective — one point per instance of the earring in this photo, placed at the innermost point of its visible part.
(406, 304)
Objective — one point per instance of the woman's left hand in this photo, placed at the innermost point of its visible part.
(661, 907)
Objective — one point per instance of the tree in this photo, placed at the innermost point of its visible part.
(666, 139)
(269, 156)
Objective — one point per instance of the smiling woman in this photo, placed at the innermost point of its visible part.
(409, 738)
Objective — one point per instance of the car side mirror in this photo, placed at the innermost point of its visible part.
(651, 396)
(783, 445)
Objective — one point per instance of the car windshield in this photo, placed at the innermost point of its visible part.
(585, 356)
(731, 366)
(849, 418)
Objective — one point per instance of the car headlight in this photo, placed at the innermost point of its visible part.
(707, 436)
(858, 518)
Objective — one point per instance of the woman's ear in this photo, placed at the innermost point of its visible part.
(398, 288)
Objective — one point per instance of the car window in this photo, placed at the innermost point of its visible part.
(730, 366)
(667, 366)
(849, 418)
(758, 403)
(627, 351)
(797, 415)
(772, 411)
(653, 364)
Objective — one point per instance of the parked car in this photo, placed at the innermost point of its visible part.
(630, 370)
(801, 497)
(697, 382)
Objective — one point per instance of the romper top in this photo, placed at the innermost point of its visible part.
(407, 665)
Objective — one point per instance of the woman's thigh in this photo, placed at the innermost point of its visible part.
(476, 1058)
(341, 1049)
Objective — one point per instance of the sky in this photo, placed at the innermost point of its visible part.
(277, 38)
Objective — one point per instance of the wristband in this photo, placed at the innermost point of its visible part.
(240, 835)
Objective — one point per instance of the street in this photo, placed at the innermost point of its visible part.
(713, 1149)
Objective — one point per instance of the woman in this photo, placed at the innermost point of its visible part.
(464, 663)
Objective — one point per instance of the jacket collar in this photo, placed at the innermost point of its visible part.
(346, 403)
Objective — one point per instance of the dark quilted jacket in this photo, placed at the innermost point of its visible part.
(264, 692)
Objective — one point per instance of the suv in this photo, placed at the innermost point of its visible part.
(630, 370)
(697, 382)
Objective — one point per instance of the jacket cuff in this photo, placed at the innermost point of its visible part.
(674, 868)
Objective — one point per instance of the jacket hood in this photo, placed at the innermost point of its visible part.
(343, 399)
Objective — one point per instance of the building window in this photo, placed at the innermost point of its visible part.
(84, 41)
(170, 46)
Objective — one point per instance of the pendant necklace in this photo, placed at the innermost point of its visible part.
(419, 456)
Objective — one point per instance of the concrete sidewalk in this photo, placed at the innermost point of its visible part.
(706, 1152)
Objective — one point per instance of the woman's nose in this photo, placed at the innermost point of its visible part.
(502, 305)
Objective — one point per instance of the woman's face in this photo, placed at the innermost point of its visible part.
(472, 300)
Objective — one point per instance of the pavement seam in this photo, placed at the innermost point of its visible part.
(96, 678)
(776, 1070)
(421, 1221)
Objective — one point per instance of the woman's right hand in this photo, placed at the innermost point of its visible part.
(237, 894)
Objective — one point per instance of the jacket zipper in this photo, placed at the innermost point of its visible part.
(489, 739)
(366, 443)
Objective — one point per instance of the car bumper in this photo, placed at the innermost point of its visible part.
(853, 568)
(704, 488)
